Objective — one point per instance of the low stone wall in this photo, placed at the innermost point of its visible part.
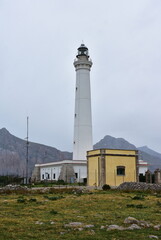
(139, 186)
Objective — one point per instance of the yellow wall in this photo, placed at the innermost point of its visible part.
(117, 151)
(111, 170)
(93, 152)
(92, 171)
(115, 158)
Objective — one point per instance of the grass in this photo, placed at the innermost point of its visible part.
(43, 216)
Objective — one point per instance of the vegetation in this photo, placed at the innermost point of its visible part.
(37, 215)
(106, 187)
(5, 180)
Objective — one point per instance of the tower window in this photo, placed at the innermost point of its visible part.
(76, 88)
(75, 115)
(54, 176)
(76, 175)
(121, 170)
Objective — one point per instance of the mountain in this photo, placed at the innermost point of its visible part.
(151, 156)
(145, 153)
(113, 143)
(149, 151)
(13, 154)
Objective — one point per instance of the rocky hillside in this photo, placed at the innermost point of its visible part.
(13, 154)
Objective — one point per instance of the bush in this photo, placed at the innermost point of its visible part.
(53, 198)
(21, 200)
(138, 197)
(61, 182)
(106, 187)
(32, 200)
(53, 212)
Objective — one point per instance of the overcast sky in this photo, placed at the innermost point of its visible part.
(38, 43)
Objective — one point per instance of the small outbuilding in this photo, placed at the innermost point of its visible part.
(111, 166)
(69, 171)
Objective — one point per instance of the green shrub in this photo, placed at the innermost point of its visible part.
(32, 200)
(60, 182)
(53, 198)
(135, 206)
(138, 197)
(21, 200)
(158, 203)
(53, 211)
(106, 187)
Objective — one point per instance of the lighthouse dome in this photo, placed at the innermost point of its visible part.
(82, 50)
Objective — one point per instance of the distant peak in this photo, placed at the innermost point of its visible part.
(108, 136)
(4, 130)
(114, 143)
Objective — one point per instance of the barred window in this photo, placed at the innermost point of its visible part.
(120, 170)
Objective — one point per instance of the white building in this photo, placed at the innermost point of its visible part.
(143, 167)
(75, 170)
(52, 171)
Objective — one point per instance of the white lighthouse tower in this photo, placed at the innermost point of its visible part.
(76, 169)
(82, 117)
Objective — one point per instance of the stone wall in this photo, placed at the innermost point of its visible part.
(136, 186)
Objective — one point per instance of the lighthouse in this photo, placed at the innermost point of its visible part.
(75, 170)
(82, 116)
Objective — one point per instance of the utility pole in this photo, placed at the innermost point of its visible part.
(27, 150)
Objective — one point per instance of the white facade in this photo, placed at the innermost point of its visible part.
(143, 167)
(51, 171)
(83, 117)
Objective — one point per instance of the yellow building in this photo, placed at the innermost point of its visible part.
(111, 166)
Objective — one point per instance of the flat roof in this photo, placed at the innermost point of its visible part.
(61, 162)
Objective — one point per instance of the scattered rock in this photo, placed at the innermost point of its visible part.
(80, 229)
(80, 191)
(157, 227)
(73, 224)
(92, 232)
(11, 187)
(102, 227)
(145, 224)
(131, 220)
(89, 226)
(153, 236)
(134, 226)
(38, 222)
(52, 222)
(115, 227)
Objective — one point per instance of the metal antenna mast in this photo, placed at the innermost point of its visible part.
(27, 150)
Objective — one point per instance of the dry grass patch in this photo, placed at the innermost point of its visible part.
(38, 217)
